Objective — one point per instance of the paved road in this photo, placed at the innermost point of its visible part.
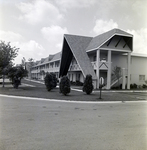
(48, 125)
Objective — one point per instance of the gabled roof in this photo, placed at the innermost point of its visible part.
(76, 45)
(48, 59)
(55, 57)
(97, 41)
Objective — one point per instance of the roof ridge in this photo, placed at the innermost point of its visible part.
(78, 35)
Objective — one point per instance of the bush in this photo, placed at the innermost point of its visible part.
(88, 86)
(50, 81)
(77, 83)
(133, 86)
(65, 85)
(144, 86)
(54, 79)
(16, 82)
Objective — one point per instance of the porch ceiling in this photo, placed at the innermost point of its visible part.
(119, 43)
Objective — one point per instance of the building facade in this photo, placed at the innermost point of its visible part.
(97, 56)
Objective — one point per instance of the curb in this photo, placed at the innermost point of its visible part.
(69, 101)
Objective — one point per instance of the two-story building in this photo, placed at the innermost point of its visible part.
(97, 56)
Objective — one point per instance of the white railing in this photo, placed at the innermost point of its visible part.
(94, 64)
(54, 69)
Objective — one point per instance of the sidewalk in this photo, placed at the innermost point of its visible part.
(79, 88)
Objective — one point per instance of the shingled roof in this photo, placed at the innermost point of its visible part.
(97, 41)
(78, 46)
(75, 45)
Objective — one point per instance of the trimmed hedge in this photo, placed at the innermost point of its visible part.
(64, 85)
(50, 81)
(88, 86)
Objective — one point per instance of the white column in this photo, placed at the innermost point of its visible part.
(109, 70)
(123, 78)
(129, 63)
(97, 67)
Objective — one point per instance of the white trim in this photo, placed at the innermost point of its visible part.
(116, 50)
(100, 45)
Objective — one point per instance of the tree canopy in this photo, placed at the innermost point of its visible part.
(15, 74)
(7, 55)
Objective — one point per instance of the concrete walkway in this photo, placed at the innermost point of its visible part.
(80, 90)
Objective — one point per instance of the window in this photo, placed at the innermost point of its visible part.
(141, 77)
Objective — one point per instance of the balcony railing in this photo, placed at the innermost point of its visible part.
(73, 67)
(94, 64)
(54, 69)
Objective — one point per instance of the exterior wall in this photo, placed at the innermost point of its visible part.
(138, 67)
(47, 67)
(119, 61)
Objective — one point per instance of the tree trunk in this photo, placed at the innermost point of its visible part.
(3, 80)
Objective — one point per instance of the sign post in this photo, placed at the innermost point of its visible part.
(101, 85)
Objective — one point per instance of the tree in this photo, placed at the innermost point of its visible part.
(23, 62)
(50, 81)
(7, 55)
(65, 85)
(117, 72)
(15, 74)
(88, 86)
(30, 64)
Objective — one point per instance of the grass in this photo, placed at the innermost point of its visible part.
(40, 91)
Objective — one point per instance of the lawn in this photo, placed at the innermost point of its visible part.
(39, 91)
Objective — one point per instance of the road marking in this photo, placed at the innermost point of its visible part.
(67, 101)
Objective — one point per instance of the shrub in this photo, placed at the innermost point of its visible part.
(50, 81)
(77, 83)
(65, 85)
(133, 86)
(144, 86)
(54, 79)
(88, 86)
(16, 82)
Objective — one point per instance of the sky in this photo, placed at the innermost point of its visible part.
(37, 27)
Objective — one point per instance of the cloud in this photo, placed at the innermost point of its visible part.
(102, 26)
(39, 11)
(75, 3)
(54, 36)
(9, 36)
(28, 50)
(140, 40)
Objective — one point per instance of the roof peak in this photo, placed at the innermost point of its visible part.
(115, 31)
(78, 35)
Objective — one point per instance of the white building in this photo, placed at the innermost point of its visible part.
(97, 56)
